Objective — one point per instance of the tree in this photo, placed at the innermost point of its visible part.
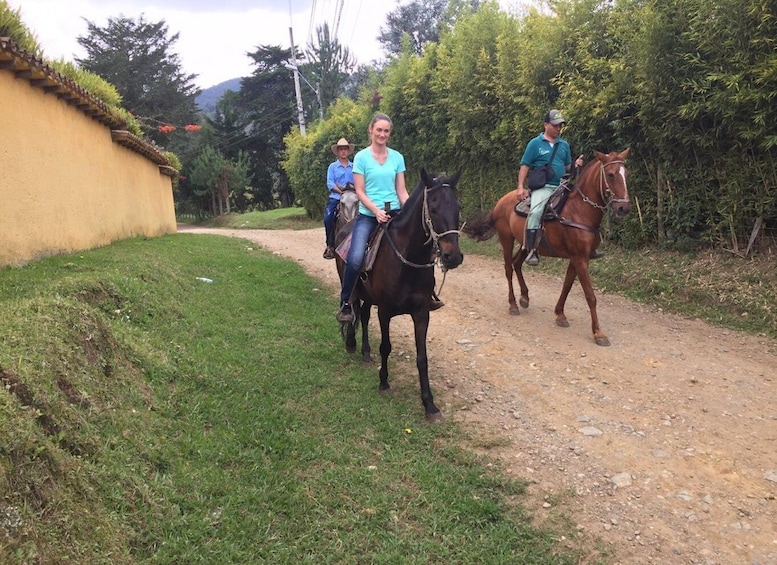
(215, 175)
(137, 58)
(422, 21)
(329, 66)
(267, 107)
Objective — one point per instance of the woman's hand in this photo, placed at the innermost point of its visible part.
(381, 216)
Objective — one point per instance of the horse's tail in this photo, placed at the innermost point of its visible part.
(480, 228)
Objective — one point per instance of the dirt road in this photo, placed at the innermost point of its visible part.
(664, 445)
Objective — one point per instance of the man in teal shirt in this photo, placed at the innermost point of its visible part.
(537, 153)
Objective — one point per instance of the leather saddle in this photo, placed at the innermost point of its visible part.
(553, 206)
(373, 244)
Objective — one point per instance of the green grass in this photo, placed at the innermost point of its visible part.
(278, 219)
(150, 417)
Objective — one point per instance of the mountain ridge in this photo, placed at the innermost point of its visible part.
(209, 97)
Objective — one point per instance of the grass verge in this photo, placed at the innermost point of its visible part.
(187, 399)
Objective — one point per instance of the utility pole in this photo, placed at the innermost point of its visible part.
(300, 112)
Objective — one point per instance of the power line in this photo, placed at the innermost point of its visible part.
(338, 15)
(355, 22)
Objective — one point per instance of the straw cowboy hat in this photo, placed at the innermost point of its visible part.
(342, 142)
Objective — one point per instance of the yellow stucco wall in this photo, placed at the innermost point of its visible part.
(65, 185)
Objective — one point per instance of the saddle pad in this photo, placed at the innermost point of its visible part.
(372, 247)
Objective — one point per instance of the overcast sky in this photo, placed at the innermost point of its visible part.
(214, 35)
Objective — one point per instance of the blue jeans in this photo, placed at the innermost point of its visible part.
(329, 221)
(539, 196)
(360, 235)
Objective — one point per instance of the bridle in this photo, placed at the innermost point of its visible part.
(605, 192)
(433, 236)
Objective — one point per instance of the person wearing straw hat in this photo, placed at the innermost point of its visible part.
(338, 175)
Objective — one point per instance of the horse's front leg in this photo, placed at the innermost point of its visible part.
(518, 267)
(590, 296)
(569, 280)
(507, 253)
(364, 312)
(385, 349)
(421, 326)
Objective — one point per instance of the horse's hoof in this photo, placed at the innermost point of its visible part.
(367, 361)
(350, 349)
(386, 391)
(562, 323)
(604, 341)
(524, 302)
(514, 311)
(435, 418)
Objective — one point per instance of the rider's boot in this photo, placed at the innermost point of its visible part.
(346, 315)
(532, 258)
(596, 254)
(435, 303)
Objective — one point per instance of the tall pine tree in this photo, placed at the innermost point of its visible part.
(137, 58)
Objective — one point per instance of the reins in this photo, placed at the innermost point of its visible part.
(605, 193)
(433, 236)
(607, 196)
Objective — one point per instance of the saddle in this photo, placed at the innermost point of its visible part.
(373, 244)
(553, 206)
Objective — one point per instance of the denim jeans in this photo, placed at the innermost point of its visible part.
(329, 221)
(360, 235)
(539, 196)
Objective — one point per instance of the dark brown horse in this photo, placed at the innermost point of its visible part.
(401, 280)
(573, 235)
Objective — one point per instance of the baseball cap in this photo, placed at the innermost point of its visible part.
(554, 117)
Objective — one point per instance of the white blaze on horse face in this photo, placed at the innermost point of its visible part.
(622, 172)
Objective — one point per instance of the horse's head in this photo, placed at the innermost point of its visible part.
(608, 173)
(441, 217)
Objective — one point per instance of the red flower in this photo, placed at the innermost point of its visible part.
(192, 127)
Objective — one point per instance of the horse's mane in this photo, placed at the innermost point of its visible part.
(410, 204)
(587, 168)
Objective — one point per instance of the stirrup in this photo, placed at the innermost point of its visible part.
(532, 259)
(345, 315)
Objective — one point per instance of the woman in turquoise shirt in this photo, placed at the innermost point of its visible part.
(379, 179)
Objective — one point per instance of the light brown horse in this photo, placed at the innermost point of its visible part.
(573, 234)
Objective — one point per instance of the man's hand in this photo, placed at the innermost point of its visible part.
(522, 193)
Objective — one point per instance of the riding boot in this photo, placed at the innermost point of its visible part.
(435, 303)
(596, 254)
(531, 240)
(346, 314)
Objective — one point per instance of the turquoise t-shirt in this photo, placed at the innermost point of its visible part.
(379, 180)
(539, 150)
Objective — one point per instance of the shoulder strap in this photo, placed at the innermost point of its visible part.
(553, 153)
